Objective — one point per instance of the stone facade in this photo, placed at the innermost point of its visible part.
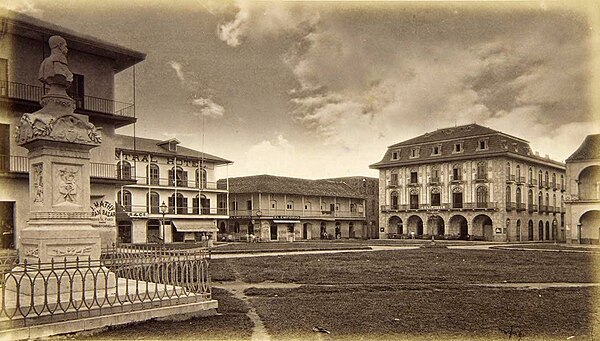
(583, 193)
(470, 182)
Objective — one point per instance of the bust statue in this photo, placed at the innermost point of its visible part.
(55, 69)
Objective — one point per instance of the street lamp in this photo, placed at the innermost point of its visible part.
(163, 210)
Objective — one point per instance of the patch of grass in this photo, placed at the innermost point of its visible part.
(452, 312)
(413, 266)
(286, 246)
(233, 324)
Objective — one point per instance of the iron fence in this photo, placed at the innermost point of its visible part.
(125, 278)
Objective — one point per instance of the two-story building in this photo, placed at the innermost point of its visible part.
(94, 63)
(470, 182)
(171, 179)
(369, 188)
(583, 193)
(280, 208)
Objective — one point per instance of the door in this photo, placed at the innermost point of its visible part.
(124, 232)
(7, 227)
(4, 147)
(305, 231)
(3, 77)
(457, 200)
(273, 232)
(76, 91)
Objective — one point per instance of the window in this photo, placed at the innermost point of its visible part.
(540, 178)
(562, 182)
(3, 77)
(153, 203)
(547, 200)
(124, 170)
(530, 198)
(178, 177)
(518, 196)
(77, 90)
(414, 200)
(153, 174)
(172, 146)
(482, 197)
(178, 204)
(518, 172)
(458, 148)
(352, 208)
(530, 176)
(482, 144)
(201, 178)
(457, 198)
(554, 180)
(456, 173)
(508, 196)
(414, 178)
(249, 205)
(508, 170)
(124, 199)
(554, 201)
(274, 204)
(482, 170)
(394, 179)
(332, 207)
(204, 204)
(307, 205)
(290, 205)
(337, 207)
(396, 154)
(394, 200)
(546, 179)
(414, 152)
(234, 205)
(435, 197)
(436, 150)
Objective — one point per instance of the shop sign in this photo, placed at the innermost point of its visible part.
(240, 217)
(102, 210)
(135, 157)
(137, 214)
(286, 217)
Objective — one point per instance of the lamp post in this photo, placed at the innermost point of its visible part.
(163, 211)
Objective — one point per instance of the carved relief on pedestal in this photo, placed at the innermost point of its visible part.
(31, 252)
(67, 128)
(38, 183)
(67, 180)
(72, 251)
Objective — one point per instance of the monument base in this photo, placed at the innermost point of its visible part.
(59, 241)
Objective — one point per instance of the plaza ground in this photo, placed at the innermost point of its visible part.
(398, 294)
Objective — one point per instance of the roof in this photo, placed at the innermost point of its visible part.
(463, 131)
(468, 137)
(152, 146)
(24, 25)
(284, 185)
(589, 149)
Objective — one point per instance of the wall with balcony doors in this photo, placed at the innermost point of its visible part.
(294, 205)
(185, 200)
(25, 56)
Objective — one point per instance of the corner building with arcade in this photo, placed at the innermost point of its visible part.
(470, 182)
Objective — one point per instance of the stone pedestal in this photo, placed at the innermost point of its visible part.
(60, 224)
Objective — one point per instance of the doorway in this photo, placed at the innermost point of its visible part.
(273, 232)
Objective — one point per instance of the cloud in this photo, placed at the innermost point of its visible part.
(22, 6)
(231, 32)
(202, 104)
(208, 108)
(177, 67)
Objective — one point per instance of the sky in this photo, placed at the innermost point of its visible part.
(320, 89)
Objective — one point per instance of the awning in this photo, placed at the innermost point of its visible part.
(286, 221)
(195, 225)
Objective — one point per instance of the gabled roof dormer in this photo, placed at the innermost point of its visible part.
(170, 145)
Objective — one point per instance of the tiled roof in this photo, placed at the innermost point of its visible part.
(464, 131)
(589, 149)
(444, 140)
(284, 185)
(151, 146)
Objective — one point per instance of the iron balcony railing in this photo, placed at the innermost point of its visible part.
(521, 206)
(442, 206)
(510, 178)
(143, 210)
(511, 206)
(520, 180)
(481, 177)
(34, 93)
(531, 208)
(434, 180)
(168, 182)
(298, 213)
(125, 278)
(13, 163)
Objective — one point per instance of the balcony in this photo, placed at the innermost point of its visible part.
(87, 104)
(554, 186)
(434, 180)
(14, 164)
(298, 213)
(441, 207)
(521, 206)
(481, 177)
(413, 183)
(562, 188)
(510, 206)
(531, 208)
(142, 211)
(510, 178)
(531, 183)
(170, 182)
(520, 180)
(393, 184)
